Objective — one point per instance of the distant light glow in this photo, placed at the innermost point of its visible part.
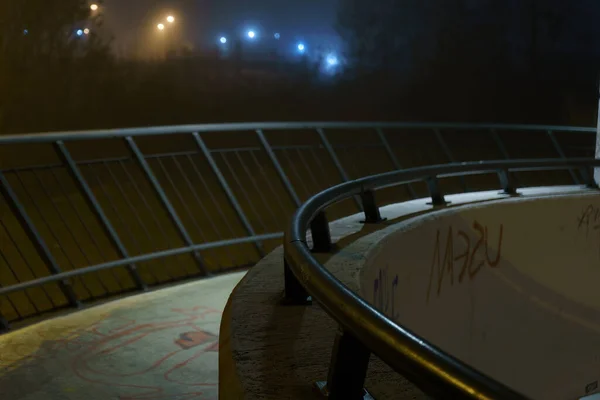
(251, 34)
(301, 47)
(94, 7)
(160, 27)
(170, 19)
(86, 31)
(25, 31)
(79, 32)
(223, 40)
(277, 36)
(332, 60)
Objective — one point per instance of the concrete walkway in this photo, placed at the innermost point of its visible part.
(154, 346)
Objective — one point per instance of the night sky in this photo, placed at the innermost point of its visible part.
(202, 22)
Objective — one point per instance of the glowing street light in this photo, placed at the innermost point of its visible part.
(94, 7)
(301, 47)
(170, 19)
(86, 31)
(332, 60)
(223, 40)
(79, 32)
(251, 34)
(277, 36)
(160, 27)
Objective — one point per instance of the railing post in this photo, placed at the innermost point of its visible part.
(228, 192)
(4, 324)
(562, 155)
(94, 205)
(588, 178)
(372, 214)
(506, 182)
(284, 179)
(395, 161)
(347, 370)
(295, 293)
(36, 239)
(503, 150)
(165, 201)
(437, 198)
(596, 175)
(336, 162)
(448, 153)
(320, 233)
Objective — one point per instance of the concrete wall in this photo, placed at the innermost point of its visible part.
(509, 287)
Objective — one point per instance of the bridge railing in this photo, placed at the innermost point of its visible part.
(88, 215)
(365, 330)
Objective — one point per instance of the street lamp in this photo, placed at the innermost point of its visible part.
(94, 7)
(86, 31)
(170, 19)
(251, 34)
(160, 27)
(223, 40)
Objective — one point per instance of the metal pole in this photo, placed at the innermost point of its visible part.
(562, 155)
(284, 179)
(348, 368)
(36, 239)
(95, 206)
(228, 192)
(337, 163)
(165, 201)
(597, 152)
(503, 150)
(395, 162)
(4, 324)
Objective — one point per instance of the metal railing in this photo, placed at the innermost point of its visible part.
(88, 215)
(365, 329)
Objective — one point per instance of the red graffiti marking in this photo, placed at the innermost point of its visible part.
(470, 259)
(96, 353)
(188, 340)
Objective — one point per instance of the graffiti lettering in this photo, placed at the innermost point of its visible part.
(474, 255)
(589, 219)
(384, 292)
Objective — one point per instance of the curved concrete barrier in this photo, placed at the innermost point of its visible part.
(276, 351)
(509, 287)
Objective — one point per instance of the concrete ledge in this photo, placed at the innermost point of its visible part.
(278, 352)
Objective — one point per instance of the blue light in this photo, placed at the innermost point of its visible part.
(25, 31)
(301, 47)
(223, 40)
(251, 34)
(332, 60)
(277, 36)
(79, 32)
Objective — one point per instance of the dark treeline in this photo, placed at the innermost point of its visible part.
(514, 61)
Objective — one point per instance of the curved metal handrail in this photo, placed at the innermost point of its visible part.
(44, 137)
(434, 371)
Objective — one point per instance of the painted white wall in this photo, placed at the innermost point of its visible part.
(527, 313)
